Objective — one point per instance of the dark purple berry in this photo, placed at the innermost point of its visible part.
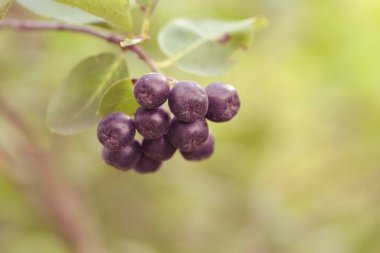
(159, 149)
(125, 158)
(152, 90)
(152, 123)
(188, 101)
(147, 165)
(188, 136)
(203, 153)
(223, 102)
(116, 131)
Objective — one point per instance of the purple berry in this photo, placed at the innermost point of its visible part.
(125, 158)
(203, 153)
(188, 101)
(159, 149)
(147, 165)
(188, 136)
(116, 131)
(152, 123)
(223, 102)
(151, 90)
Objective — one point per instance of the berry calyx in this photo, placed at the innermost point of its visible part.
(223, 102)
(151, 90)
(116, 131)
(152, 123)
(188, 101)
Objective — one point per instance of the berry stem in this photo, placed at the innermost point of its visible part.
(32, 25)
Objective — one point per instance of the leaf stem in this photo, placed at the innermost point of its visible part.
(32, 25)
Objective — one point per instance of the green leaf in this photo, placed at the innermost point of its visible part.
(4, 6)
(204, 46)
(117, 12)
(52, 9)
(119, 98)
(74, 105)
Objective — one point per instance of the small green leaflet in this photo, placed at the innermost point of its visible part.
(204, 46)
(119, 98)
(73, 108)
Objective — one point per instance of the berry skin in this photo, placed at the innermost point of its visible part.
(124, 159)
(188, 101)
(188, 136)
(116, 131)
(152, 123)
(159, 149)
(147, 165)
(151, 90)
(223, 102)
(203, 153)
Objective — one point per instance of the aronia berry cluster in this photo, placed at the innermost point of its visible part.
(162, 135)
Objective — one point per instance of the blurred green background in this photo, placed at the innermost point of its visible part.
(298, 170)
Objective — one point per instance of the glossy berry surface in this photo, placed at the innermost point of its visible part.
(223, 102)
(188, 101)
(152, 123)
(159, 149)
(188, 136)
(151, 90)
(203, 153)
(125, 158)
(116, 131)
(147, 165)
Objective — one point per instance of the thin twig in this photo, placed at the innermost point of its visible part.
(139, 51)
(33, 25)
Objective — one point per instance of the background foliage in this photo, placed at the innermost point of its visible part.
(297, 171)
